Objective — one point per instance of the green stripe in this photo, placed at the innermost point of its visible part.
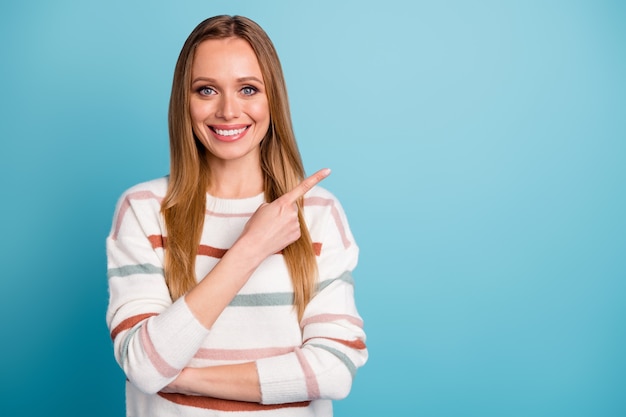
(345, 277)
(265, 299)
(282, 298)
(129, 336)
(342, 357)
(127, 270)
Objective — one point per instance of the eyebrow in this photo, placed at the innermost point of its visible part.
(241, 80)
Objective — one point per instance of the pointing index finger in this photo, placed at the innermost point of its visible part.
(306, 184)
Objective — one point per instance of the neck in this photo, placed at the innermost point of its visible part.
(235, 180)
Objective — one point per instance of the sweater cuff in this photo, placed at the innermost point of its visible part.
(177, 332)
(281, 380)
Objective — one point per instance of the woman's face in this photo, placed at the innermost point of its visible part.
(228, 105)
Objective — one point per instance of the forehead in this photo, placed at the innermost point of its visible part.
(225, 58)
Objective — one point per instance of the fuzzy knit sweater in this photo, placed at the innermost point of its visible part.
(302, 366)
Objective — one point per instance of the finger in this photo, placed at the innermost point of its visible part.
(306, 184)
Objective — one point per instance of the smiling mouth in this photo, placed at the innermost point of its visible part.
(228, 132)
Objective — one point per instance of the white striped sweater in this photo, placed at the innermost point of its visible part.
(302, 366)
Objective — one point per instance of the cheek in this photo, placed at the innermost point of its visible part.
(198, 112)
(260, 112)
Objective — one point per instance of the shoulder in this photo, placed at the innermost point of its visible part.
(319, 196)
(320, 200)
(139, 207)
(155, 188)
(325, 213)
(149, 192)
(331, 235)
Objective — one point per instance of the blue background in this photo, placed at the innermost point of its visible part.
(477, 147)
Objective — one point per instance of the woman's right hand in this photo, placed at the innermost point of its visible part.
(270, 229)
(275, 225)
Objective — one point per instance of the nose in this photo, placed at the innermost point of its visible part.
(228, 107)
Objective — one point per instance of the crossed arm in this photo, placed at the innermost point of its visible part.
(273, 226)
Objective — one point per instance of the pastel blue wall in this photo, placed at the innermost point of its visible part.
(478, 147)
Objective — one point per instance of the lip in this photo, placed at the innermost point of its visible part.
(229, 138)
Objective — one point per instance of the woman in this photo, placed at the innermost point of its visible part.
(230, 280)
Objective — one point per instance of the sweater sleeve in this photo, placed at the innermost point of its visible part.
(153, 338)
(333, 340)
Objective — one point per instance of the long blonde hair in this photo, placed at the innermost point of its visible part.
(183, 207)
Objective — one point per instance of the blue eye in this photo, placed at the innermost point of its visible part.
(249, 91)
(206, 91)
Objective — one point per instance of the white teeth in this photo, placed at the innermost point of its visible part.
(230, 132)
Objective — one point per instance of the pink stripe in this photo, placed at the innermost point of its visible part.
(357, 344)
(139, 195)
(157, 361)
(319, 201)
(242, 354)
(312, 387)
(326, 318)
